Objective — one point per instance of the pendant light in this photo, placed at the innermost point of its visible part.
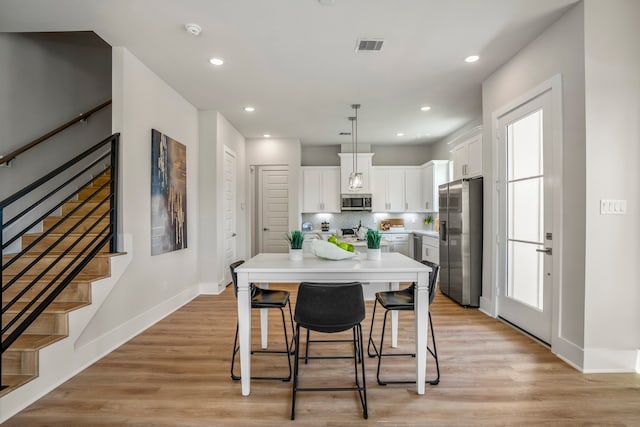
(355, 179)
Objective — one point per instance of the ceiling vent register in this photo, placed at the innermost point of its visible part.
(369, 45)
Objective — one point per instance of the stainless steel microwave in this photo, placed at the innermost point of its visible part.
(355, 202)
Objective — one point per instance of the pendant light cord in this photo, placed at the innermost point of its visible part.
(355, 156)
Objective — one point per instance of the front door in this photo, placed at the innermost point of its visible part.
(273, 203)
(526, 229)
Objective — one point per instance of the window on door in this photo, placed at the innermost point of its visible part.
(525, 209)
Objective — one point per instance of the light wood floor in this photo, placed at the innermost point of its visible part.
(177, 374)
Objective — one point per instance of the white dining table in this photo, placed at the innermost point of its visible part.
(391, 268)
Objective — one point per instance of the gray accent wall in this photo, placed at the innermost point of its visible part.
(47, 79)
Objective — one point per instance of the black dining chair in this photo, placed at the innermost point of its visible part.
(331, 308)
(403, 300)
(264, 298)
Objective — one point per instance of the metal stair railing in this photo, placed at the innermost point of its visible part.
(41, 265)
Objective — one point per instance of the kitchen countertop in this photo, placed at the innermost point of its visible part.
(430, 233)
(407, 231)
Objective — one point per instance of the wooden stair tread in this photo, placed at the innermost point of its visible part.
(27, 342)
(54, 307)
(82, 277)
(14, 381)
(55, 254)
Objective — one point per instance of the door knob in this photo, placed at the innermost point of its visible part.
(547, 251)
(233, 234)
(265, 229)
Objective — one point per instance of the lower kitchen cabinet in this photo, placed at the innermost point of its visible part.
(398, 242)
(431, 249)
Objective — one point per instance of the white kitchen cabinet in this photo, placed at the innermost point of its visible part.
(320, 189)
(413, 183)
(346, 167)
(431, 249)
(434, 173)
(388, 189)
(397, 242)
(467, 158)
(397, 189)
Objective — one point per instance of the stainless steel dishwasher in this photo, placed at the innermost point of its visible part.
(417, 247)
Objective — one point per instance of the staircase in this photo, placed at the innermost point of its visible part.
(20, 359)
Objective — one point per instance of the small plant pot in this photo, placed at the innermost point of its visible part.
(295, 254)
(374, 254)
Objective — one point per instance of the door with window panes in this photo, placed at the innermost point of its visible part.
(526, 229)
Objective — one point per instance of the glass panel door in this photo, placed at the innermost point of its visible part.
(524, 135)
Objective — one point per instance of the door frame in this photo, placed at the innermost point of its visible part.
(230, 152)
(554, 86)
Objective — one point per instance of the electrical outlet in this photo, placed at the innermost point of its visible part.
(613, 207)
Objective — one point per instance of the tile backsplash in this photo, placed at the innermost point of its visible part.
(412, 221)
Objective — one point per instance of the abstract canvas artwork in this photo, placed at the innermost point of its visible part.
(168, 194)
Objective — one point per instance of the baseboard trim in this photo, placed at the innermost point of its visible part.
(607, 360)
(569, 352)
(211, 288)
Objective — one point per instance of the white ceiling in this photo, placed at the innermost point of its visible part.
(295, 60)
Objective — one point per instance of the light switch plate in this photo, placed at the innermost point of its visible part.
(613, 207)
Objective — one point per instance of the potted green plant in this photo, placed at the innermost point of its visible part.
(295, 238)
(428, 221)
(373, 244)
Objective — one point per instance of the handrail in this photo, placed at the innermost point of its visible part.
(6, 159)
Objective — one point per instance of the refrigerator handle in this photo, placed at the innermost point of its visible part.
(443, 231)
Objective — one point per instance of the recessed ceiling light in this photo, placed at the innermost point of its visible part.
(193, 29)
(399, 134)
(472, 58)
(249, 109)
(216, 61)
(266, 135)
(425, 108)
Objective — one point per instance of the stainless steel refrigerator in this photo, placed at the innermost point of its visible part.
(461, 240)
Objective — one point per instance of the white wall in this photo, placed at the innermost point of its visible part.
(274, 151)
(208, 272)
(612, 271)
(559, 49)
(152, 286)
(215, 133)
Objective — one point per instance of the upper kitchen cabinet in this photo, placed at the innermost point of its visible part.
(434, 173)
(388, 190)
(397, 189)
(467, 158)
(320, 189)
(346, 167)
(413, 187)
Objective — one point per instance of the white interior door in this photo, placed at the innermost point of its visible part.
(526, 212)
(273, 212)
(230, 233)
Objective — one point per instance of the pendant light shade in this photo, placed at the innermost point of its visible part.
(355, 178)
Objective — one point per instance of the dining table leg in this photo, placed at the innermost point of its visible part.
(421, 309)
(244, 331)
(394, 286)
(264, 322)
